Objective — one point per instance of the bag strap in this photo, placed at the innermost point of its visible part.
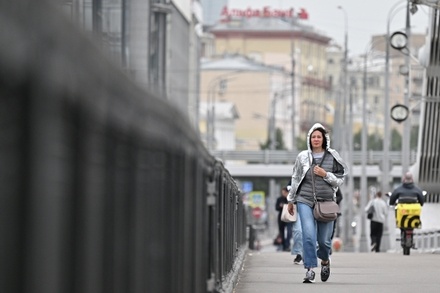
(313, 185)
(313, 174)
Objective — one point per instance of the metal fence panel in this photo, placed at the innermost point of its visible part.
(105, 187)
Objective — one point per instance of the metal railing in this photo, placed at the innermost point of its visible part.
(288, 157)
(427, 241)
(105, 187)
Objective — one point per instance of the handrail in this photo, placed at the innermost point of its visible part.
(288, 157)
(106, 187)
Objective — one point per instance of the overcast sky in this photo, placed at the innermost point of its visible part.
(365, 17)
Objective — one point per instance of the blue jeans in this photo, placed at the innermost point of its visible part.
(297, 247)
(314, 232)
(288, 236)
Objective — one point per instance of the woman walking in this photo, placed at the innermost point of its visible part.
(320, 170)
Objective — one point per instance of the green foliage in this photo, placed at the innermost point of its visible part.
(279, 144)
(375, 143)
(301, 144)
(396, 140)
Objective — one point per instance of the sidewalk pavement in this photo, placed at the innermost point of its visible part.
(268, 271)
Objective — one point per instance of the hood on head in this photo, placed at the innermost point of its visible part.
(327, 135)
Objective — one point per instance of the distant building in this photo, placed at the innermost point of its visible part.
(156, 42)
(252, 87)
(375, 78)
(280, 38)
(226, 115)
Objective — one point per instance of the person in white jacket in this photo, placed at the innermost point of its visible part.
(319, 170)
(379, 208)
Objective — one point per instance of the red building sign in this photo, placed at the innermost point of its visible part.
(267, 11)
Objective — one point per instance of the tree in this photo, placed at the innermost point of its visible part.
(374, 142)
(396, 140)
(301, 143)
(279, 141)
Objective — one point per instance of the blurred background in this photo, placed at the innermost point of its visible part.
(253, 76)
(234, 83)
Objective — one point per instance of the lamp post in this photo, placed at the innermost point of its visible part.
(400, 41)
(345, 65)
(293, 109)
(386, 168)
(407, 123)
(386, 141)
(211, 113)
(221, 82)
(347, 149)
(272, 126)
(337, 123)
(364, 190)
(272, 119)
(340, 104)
(363, 246)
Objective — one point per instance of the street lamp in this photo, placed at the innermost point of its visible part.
(293, 116)
(399, 113)
(220, 82)
(363, 246)
(272, 120)
(397, 41)
(400, 41)
(272, 124)
(339, 114)
(345, 65)
(386, 132)
(430, 3)
(407, 123)
(347, 145)
(364, 192)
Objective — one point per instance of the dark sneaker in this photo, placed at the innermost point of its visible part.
(310, 277)
(325, 271)
(298, 259)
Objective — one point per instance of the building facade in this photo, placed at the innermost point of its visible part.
(251, 87)
(281, 38)
(156, 42)
(370, 69)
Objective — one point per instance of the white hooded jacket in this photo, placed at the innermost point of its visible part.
(304, 161)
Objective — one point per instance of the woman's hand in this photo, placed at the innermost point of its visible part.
(319, 171)
(290, 208)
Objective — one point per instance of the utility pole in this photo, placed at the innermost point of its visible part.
(272, 124)
(346, 149)
(293, 109)
(407, 123)
(363, 247)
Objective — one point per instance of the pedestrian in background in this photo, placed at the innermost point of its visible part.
(379, 209)
(339, 198)
(282, 226)
(297, 247)
(328, 171)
